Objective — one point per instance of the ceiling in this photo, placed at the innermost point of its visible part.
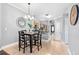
(40, 9)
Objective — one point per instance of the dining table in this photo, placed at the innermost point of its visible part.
(30, 34)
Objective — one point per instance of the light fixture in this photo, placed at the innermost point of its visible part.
(29, 17)
(48, 15)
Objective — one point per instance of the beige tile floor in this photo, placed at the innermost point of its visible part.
(55, 47)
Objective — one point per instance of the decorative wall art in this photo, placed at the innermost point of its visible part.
(44, 27)
(21, 22)
(74, 14)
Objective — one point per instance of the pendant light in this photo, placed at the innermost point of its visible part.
(29, 17)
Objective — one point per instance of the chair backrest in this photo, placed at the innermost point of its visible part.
(21, 33)
(24, 31)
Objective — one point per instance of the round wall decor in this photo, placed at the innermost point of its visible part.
(21, 22)
(74, 15)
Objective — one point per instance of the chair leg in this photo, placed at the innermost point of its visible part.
(19, 44)
(38, 48)
(34, 42)
(24, 50)
(24, 47)
(40, 42)
(38, 45)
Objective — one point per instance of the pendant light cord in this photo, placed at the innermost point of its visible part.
(29, 8)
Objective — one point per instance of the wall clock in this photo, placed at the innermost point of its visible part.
(74, 15)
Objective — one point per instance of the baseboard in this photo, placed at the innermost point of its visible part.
(6, 46)
(69, 51)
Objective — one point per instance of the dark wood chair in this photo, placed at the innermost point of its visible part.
(37, 40)
(40, 38)
(23, 40)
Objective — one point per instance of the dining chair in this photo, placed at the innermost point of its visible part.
(37, 40)
(23, 40)
(40, 37)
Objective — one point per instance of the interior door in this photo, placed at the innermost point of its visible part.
(57, 31)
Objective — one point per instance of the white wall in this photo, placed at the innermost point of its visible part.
(0, 24)
(66, 29)
(57, 31)
(9, 29)
(74, 38)
(59, 28)
(73, 35)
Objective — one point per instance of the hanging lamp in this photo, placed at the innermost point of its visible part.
(29, 17)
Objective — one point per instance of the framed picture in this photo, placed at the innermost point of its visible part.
(44, 27)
